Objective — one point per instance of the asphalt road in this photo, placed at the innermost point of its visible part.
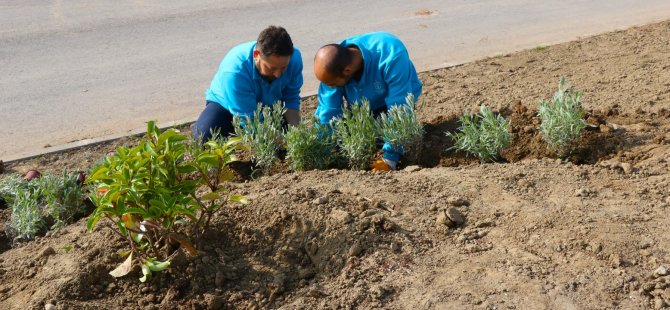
(80, 70)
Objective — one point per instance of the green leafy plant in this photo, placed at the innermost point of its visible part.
(262, 134)
(356, 133)
(309, 146)
(562, 119)
(160, 195)
(400, 127)
(483, 135)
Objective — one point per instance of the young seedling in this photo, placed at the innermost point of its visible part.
(356, 133)
(400, 127)
(562, 119)
(262, 134)
(483, 135)
(309, 146)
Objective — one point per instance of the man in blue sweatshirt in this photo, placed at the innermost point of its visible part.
(375, 66)
(265, 71)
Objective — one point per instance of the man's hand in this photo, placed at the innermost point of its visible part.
(292, 117)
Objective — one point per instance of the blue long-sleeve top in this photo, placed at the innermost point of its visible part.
(388, 77)
(239, 87)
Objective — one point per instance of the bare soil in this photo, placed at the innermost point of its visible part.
(535, 232)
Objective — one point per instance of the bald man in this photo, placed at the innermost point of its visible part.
(266, 70)
(374, 66)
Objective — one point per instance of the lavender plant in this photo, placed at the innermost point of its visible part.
(562, 119)
(356, 133)
(262, 134)
(26, 219)
(400, 127)
(63, 198)
(483, 135)
(309, 146)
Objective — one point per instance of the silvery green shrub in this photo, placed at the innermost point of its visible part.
(562, 119)
(262, 134)
(309, 146)
(483, 135)
(356, 133)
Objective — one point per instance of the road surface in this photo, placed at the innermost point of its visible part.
(78, 71)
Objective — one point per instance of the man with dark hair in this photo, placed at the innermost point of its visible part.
(266, 70)
(373, 66)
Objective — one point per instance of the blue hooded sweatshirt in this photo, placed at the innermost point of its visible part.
(388, 77)
(239, 87)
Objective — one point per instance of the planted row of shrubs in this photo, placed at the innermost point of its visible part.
(355, 137)
(485, 135)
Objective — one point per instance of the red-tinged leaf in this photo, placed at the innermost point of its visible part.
(185, 244)
(124, 268)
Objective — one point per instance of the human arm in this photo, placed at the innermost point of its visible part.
(291, 93)
(238, 94)
(292, 117)
(398, 74)
(330, 103)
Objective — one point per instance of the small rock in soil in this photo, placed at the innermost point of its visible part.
(49, 307)
(48, 251)
(213, 301)
(661, 271)
(582, 192)
(412, 168)
(321, 200)
(628, 168)
(442, 219)
(355, 249)
(341, 216)
(457, 201)
(455, 216)
(659, 303)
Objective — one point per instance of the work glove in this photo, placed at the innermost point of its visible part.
(384, 165)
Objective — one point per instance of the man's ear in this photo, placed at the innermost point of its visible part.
(257, 54)
(348, 70)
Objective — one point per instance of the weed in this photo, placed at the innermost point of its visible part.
(401, 128)
(262, 134)
(483, 135)
(356, 133)
(309, 146)
(562, 119)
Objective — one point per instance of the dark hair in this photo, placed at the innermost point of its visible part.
(340, 58)
(274, 40)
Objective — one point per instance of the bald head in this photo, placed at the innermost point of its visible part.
(333, 58)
